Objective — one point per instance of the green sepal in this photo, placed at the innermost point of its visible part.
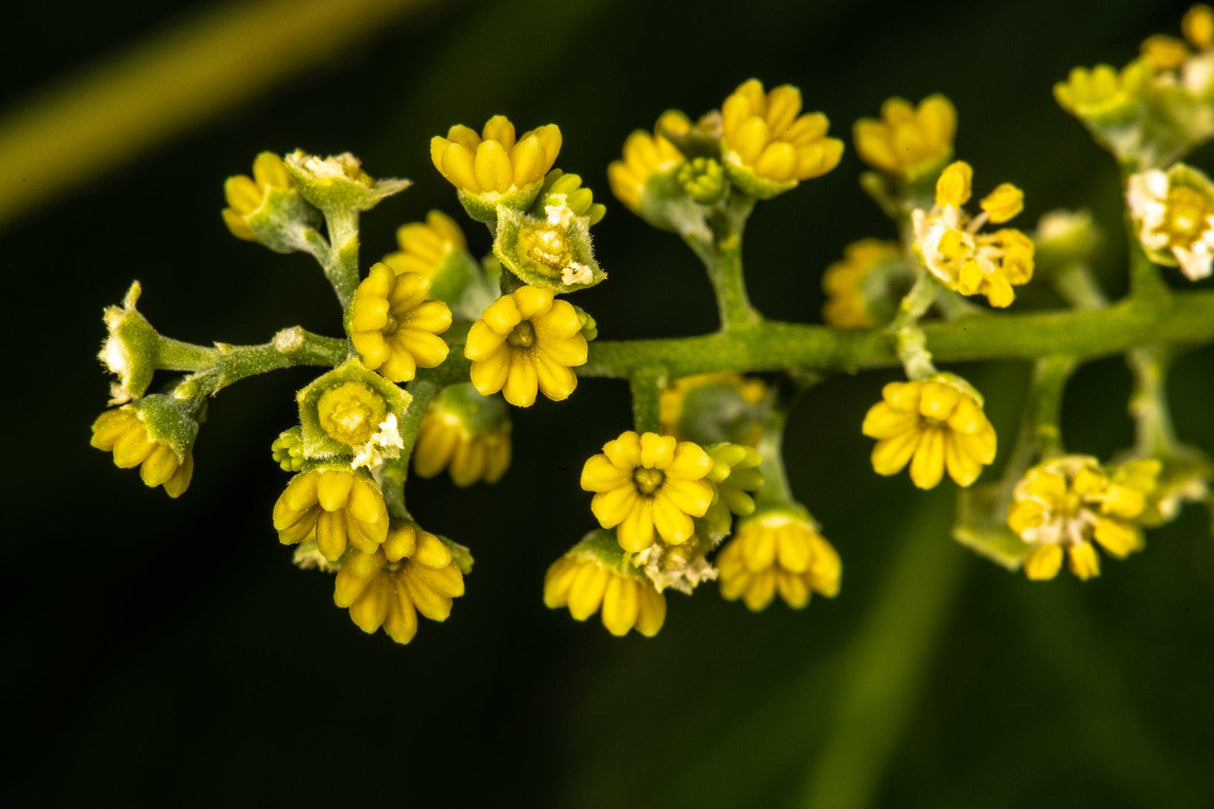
(590, 327)
(315, 443)
(485, 207)
(338, 182)
(132, 349)
(665, 205)
(479, 414)
(516, 246)
(982, 525)
(460, 554)
(746, 181)
(717, 412)
(284, 220)
(602, 545)
(169, 421)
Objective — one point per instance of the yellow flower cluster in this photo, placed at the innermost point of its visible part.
(245, 194)
(932, 424)
(412, 572)
(847, 304)
(778, 552)
(1067, 502)
(425, 246)
(647, 483)
(122, 432)
(336, 507)
(974, 263)
(495, 163)
(908, 141)
(582, 582)
(446, 441)
(394, 327)
(767, 146)
(526, 342)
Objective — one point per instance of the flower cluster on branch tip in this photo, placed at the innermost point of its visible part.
(439, 342)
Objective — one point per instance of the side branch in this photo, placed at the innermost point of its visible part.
(1186, 318)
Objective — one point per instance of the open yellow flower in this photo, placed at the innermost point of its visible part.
(767, 146)
(465, 433)
(932, 424)
(122, 432)
(778, 551)
(246, 194)
(335, 506)
(1067, 502)
(645, 156)
(1174, 212)
(586, 584)
(413, 572)
(649, 483)
(394, 327)
(973, 263)
(908, 141)
(425, 246)
(495, 167)
(526, 342)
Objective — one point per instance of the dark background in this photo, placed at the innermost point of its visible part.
(167, 653)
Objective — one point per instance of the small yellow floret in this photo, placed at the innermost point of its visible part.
(246, 194)
(581, 582)
(1004, 203)
(645, 155)
(495, 162)
(413, 572)
(846, 305)
(908, 140)
(336, 507)
(764, 137)
(649, 482)
(931, 424)
(424, 246)
(1068, 502)
(778, 552)
(953, 189)
(122, 432)
(1198, 26)
(394, 327)
(526, 342)
(445, 441)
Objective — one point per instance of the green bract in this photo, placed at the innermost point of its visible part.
(553, 253)
(315, 441)
(131, 350)
(339, 182)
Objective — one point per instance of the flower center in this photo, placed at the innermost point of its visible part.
(648, 480)
(546, 247)
(703, 180)
(1187, 218)
(350, 413)
(522, 335)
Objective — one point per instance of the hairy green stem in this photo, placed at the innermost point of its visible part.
(646, 385)
(216, 368)
(1042, 418)
(396, 471)
(909, 340)
(1154, 435)
(1183, 319)
(340, 263)
(722, 258)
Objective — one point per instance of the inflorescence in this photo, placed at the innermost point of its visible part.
(438, 345)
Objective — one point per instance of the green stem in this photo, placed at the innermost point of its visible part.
(393, 474)
(909, 339)
(1042, 418)
(722, 258)
(1155, 435)
(646, 385)
(776, 490)
(340, 263)
(216, 368)
(1075, 284)
(1186, 318)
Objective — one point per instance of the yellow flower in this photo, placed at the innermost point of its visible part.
(932, 424)
(124, 433)
(586, 584)
(465, 433)
(524, 342)
(1170, 54)
(729, 398)
(844, 283)
(767, 147)
(778, 551)
(1174, 211)
(647, 482)
(413, 572)
(337, 507)
(425, 246)
(394, 327)
(908, 141)
(645, 156)
(1104, 95)
(1065, 503)
(247, 194)
(974, 263)
(495, 167)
